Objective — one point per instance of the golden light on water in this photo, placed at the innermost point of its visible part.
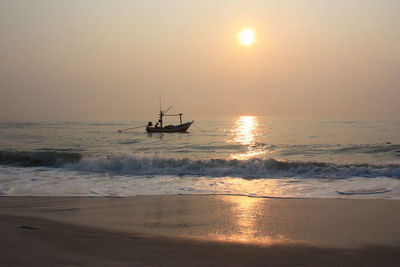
(246, 37)
(245, 129)
(244, 133)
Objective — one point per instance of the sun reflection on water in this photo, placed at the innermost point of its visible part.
(244, 133)
(244, 130)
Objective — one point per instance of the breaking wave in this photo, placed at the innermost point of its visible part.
(145, 164)
(49, 158)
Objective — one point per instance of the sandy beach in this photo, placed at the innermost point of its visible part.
(198, 230)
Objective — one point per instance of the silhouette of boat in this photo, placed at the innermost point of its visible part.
(159, 128)
(181, 128)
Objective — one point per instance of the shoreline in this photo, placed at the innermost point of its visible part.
(193, 230)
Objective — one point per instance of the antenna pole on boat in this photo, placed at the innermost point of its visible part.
(161, 114)
(180, 117)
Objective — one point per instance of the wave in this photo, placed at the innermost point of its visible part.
(147, 164)
(370, 149)
(6, 124)
(365, 192)
(48, 157)
(388, 148)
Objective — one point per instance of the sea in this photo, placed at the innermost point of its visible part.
(255, 156)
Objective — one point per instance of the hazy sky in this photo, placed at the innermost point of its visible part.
(101, 60)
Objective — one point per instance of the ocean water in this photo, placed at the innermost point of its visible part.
(246, 155)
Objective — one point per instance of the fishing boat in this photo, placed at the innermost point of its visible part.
(159, 128)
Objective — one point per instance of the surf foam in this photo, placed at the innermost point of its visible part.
(125, 163)
(140, 164)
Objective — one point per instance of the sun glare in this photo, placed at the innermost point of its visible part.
(245, 132)
(246, 37)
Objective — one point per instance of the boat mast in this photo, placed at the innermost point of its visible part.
(161, 114)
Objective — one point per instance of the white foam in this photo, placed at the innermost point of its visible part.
(38, 181)
(141, 164)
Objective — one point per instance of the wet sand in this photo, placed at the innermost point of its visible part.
(198, 231)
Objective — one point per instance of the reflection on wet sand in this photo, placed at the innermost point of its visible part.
(218, 218)
(261, 221)
(247, 219)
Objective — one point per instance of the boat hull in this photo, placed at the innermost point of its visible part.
(170, 129)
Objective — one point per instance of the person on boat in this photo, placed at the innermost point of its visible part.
(149, 124)
(156, 126)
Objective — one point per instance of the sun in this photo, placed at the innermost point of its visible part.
(246, 37)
